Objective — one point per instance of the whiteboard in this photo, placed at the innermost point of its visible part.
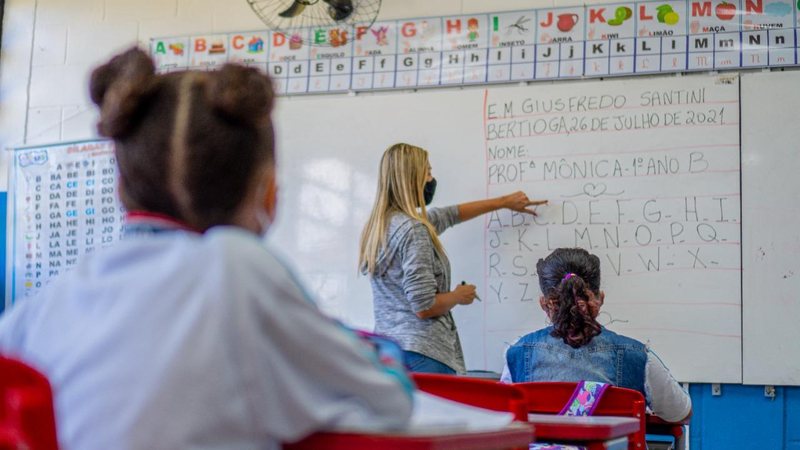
(658, 200)
(770, 236)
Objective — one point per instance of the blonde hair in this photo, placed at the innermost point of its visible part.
(400, 189)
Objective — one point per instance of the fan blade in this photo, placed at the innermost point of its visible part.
(293, 11)
(339, 9)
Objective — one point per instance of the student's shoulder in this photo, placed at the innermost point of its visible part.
(403, 226)
(235, 239)
(402, 221)
(241, 250)
(622, 340)
(439, 212)
(535, 336)
(255, 265)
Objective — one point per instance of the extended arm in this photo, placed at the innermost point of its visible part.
(328, 378)
(668, 400)
(419, 282)
(518, 201)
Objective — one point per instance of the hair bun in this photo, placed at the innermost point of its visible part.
(118, 88)
(242, 94)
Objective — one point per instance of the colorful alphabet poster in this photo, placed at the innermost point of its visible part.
(289, 62)
(331, 56)
(209, 51)
(419, 53)
(718, 16)
(560, 25)
(63, 205)
(612, 21)
(249, 49)
(374, 56)
(624, 38)
(511, 46)
(464, 49)
(661, 18)
(766, 14)
(171, 54)
(380, 38)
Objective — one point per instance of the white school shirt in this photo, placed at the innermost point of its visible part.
(178, 340)
(668, 400)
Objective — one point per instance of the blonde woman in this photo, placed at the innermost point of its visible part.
(408, 267)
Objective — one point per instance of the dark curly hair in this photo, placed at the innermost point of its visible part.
(189, 145)
(568, 278)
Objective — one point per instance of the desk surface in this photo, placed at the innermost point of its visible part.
(513, 436)
(549, 426)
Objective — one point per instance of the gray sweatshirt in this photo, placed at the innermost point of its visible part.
(410, 273)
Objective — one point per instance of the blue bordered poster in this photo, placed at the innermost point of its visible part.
(62, 205)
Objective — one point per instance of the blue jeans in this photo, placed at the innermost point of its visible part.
(416, 362)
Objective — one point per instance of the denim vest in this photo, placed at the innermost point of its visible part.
(609, 358)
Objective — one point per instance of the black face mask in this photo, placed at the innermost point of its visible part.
(428, 191)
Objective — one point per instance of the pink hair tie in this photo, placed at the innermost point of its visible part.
(568, 276)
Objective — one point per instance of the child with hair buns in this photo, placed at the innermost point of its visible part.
(576, 347)
(189, 333)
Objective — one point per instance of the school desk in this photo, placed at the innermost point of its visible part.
(596, 432)
(514, 435)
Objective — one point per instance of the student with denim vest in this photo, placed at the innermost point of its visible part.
(408, 267)
(577, 348)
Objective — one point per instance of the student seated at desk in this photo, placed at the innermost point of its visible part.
(189, 332)
(577, 348)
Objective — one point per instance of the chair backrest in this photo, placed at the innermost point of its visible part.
(549, 397)
(475, 391)
(27, 418)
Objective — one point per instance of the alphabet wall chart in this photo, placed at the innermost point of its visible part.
(63, 205)
(544, 44)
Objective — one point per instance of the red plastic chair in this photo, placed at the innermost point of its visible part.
(27, 418)
(476, 392)
(549, 397)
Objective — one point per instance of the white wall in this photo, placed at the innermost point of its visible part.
(50, 47)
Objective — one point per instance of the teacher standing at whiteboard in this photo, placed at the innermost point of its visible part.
(408, 267)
